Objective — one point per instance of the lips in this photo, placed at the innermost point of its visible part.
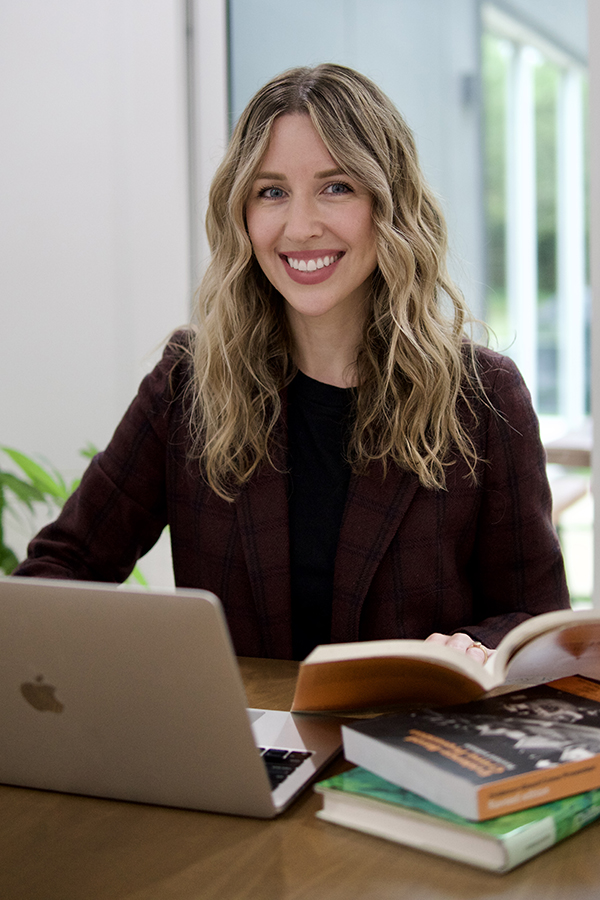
(311, 267)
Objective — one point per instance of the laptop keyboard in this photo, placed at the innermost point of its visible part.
(281, 763)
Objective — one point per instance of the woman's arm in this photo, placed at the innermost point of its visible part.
(119, 510)
(518, 569)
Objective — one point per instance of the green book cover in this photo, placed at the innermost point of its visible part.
(522, 834)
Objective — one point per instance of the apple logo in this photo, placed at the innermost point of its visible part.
(41, 696)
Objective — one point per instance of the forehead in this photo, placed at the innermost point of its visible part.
(295, 141)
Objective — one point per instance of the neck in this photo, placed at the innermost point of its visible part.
(327, 351)
(327, 361)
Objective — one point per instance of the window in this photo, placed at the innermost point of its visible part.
(534, 134)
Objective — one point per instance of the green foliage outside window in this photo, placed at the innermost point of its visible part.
(496, 62)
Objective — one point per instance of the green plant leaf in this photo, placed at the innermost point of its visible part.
(27, 493)
(137, 577)
(40, 479)
(8, 560)
(44, 485)
(62, 484)
(89, 451)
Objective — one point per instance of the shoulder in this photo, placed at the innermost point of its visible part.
(171, 375)
(489, 363)
(162, 395)
(495, 377)
(503, 406)
(178, 351)
(497, 399)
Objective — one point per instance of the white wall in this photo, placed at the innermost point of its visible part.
(94, 255)
(564, 22)
(594, 47)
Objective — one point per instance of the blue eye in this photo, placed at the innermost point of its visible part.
(272, 193)
(338, 187)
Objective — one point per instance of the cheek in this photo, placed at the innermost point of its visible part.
(369, 246)
(361, 233)
(251, 226)
(260, 232)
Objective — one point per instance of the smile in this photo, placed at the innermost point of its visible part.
(311, 265)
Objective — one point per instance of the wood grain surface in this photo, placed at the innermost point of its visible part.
(62, 847)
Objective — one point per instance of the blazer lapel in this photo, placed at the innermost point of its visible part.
(262, 513)
(374, 510)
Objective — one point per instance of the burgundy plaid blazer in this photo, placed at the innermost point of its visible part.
(410, 560)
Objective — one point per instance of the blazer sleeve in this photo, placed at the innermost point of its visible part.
(518, 568)
(119, 510)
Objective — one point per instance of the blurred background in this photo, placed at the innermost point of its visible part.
(115, 114)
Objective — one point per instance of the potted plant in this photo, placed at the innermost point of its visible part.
(36, 484)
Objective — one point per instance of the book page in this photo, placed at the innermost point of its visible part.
(387, 683)
(572, 649)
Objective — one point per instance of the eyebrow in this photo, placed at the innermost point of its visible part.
(278, 176)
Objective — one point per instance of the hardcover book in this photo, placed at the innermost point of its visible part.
(388, 674)
(358, 799)
(491, 757)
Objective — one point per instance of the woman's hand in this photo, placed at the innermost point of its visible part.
(464, 644)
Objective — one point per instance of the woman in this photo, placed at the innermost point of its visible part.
(335, 459)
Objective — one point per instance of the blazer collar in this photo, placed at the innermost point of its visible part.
(374, 509)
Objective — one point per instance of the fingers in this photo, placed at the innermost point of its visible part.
(458, 641)
(437, 638)
(464, 643)
(478, 652)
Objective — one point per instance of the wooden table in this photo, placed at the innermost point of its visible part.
(572, 449)
(62, 847)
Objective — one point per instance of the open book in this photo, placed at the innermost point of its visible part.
(384, 675)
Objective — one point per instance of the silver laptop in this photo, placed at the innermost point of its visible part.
(136, 694)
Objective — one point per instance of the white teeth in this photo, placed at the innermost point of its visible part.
(311, 265)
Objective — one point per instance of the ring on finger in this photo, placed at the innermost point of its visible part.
(480, 646)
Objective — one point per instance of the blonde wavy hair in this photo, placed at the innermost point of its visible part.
(412, 366)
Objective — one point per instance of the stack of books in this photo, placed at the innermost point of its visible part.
(491, 782)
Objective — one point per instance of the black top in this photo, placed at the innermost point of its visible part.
(318, 417)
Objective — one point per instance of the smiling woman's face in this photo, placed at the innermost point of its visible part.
(311, 225)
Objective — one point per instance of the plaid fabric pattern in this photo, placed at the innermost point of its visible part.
(410, 561)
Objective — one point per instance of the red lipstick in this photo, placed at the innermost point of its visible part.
(311, 266)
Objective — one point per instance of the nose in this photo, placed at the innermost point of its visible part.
(302, 221)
